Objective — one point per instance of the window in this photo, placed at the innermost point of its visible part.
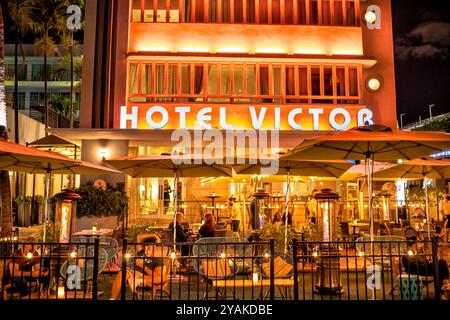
(276, 12)
(351, 19)
(133, 79)
(315, 80)
(314, 12)
(264, 80)
(185, 79)
(338, 14)
(242, 82)
(251, 80)
(226, 11)
(263, 11)
(328, 81)
(213, 11)
(159, 79)
(289, 11)
(36, 99)
(353, 81)
(225, 80)
(326, 13)
(136, 11)
(238, 79)
(304, 12)
(251, 12)
(277, 87)
(213, 85)
(238, 11)
(37, 72)
(146, 79)
(174, 13)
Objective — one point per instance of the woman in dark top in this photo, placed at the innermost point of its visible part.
(208, 229)
(167, 192)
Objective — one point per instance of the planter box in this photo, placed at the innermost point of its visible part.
(85, 223)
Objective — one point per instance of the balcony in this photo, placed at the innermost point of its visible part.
(146, 38)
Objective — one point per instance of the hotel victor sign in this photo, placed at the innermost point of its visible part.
(243, 117)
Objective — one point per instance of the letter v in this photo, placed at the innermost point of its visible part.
(257, 121)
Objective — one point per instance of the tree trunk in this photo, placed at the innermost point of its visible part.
(6, 209)
(46, 122)
(16, 80)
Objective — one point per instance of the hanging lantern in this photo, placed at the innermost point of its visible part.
(65, 214)
(328, 280)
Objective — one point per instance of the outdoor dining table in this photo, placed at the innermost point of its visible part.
(358, 225)
(284, 286)
(89, 233)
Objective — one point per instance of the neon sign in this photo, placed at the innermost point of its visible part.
(242, 117)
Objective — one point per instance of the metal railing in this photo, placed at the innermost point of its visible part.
(47, 271)
(384, 269)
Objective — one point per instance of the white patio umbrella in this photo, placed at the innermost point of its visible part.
(371, 143)
(324, 169)
(419, 169)
(19, 158)
(171, 165)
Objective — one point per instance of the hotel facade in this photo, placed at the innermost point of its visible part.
(296, 67)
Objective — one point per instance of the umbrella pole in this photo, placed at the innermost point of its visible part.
(175, 208)
(286, 219)
(46, 194)
(244, 214)
(370, 191)
(369, 162)
(426, 207)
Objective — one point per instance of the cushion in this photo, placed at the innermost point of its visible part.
(281, 267)
(216, 268)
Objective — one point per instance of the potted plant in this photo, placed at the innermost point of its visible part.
(18, 201)
(38, 209)
(27, 210)
(278, 232)
(105, 206)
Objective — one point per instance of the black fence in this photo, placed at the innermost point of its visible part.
(226, 269)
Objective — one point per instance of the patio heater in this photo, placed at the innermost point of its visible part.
(261, 198)
(65, 214)
(384, 200)
(328, 280)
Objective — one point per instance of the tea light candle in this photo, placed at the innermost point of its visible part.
(355, 221)
(29, 255)
(61, 292)
(255, 277)
(94, 229)
(214, 194)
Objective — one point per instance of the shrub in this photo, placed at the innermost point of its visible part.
(96, 202)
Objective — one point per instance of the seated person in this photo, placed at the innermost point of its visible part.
(180, 234)
(208, 228)
(419, 265)
(149, 271)
(24, 268)
(289, 218)
(419, 214)
(277, 218)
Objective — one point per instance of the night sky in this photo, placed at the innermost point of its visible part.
(422, 48)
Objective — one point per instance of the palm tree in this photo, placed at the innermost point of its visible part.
(74, 66)
(5, 187)
(48, 18)
(19, 12)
